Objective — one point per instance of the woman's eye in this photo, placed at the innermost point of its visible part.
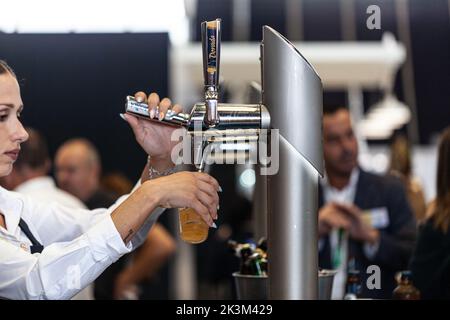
(3, 117)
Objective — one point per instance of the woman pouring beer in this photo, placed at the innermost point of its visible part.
(51, 252)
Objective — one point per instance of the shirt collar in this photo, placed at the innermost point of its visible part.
(354, 176)
(36, 184)
(11, 206)
(346, 194)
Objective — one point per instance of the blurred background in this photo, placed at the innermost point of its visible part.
(77, 60)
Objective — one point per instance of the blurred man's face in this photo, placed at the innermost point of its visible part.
(73, 172)
(339, 142)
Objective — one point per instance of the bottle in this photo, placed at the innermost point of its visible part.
(253, 258)
(262, 244)
(258, 263)
(246, 251)
(353, 285)
(262, 261)
(193, 229)
(405, 289)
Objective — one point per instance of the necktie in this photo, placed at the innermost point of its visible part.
(37, 247)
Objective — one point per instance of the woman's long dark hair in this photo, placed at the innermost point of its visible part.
(441, 214)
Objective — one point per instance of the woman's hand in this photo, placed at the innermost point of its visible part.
(179, 190)
(187, 189)
(153, 137)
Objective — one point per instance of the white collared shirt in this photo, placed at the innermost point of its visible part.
(43, 189)
(78, 245)
(345, 195)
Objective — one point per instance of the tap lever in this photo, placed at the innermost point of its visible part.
(211, 53)
(140, 109)
(211, 63)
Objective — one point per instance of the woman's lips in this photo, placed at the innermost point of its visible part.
(13, 154)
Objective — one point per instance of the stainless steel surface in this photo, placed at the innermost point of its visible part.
(250, 287)
(292, 92)
(265, 117)
(239, 123)
(259, 208)
(212, 116)
(260, 205)
(232, 116)
(256, 287)
(292, 227)
(326, 278)
(140, 109)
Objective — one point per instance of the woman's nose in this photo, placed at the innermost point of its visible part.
(20, 134)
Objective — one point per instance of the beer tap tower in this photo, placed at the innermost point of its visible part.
(292, 93)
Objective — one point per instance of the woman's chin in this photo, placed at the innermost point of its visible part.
(5, 169)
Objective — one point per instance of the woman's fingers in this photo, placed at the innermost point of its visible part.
(140, 96)
(209, 189)
(177, 108)
(132, 121)
(208, 179)
(209, 185)
(153, 102)
(202, 211)
(163, 107)
(157, 108)
(208, 202)
(186, 189)
(208, 194)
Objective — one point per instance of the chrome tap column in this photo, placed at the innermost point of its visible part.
(292, 91)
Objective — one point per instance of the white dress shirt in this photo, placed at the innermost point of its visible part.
(43, 189)
(78, 245)
(345, 195)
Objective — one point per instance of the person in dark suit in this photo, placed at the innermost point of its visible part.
(364, 219)
(430, 264)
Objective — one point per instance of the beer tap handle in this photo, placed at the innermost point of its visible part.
(211, 63)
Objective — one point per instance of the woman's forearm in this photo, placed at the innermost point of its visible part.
(144, 175)
(183, 189)
(132, 213)
(151, 256)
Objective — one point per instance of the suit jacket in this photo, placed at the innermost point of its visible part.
(397, 238)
